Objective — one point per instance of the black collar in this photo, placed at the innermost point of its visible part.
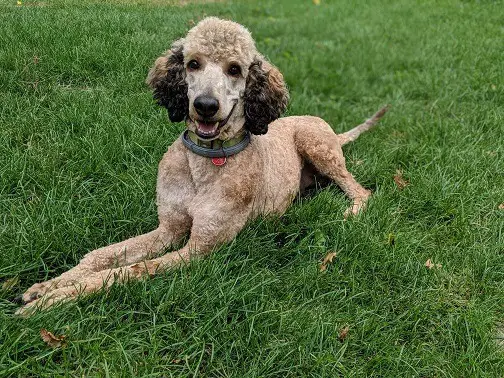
(219, 148)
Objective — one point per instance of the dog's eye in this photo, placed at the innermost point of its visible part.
(193, 65)
(234, 70)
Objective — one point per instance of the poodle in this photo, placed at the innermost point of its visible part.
(236, 160)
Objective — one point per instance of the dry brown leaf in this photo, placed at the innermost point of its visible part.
(430, 265)
(501, 206)
(400, 181)
(343, 333)
(35, 59)
(51, 340)
(7, 285)
(137, 269)
(328, 259)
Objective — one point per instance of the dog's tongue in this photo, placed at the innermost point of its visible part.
(207, 128)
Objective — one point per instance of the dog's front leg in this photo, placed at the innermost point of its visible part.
(94, 281)
(126, 252)
(206, 234)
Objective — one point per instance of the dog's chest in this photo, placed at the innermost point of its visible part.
(206, 175)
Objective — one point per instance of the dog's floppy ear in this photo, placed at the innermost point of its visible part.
(266, 96)
(167, 79)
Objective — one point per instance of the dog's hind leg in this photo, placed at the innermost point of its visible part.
(322, 148)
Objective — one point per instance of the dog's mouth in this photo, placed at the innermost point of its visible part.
(208, 130)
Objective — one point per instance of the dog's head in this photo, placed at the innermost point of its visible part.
(217, 82)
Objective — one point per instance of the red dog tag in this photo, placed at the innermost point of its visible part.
(219, 161)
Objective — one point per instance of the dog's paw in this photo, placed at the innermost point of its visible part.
(358, 206)
(69, 278)
(58, 291)
(47, 300)
(38, 290)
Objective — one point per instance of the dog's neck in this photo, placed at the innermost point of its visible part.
(216, 148)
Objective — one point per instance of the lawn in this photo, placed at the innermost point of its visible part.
(80, 139)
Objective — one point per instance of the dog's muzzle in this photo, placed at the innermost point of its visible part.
(208, 130)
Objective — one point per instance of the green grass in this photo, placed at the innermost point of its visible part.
(80, 138)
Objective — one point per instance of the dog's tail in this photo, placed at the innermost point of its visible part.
(353, 134)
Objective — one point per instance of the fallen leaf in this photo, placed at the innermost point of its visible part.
(35, 59)
(316, 2)
(328, 259)
(501, 206)
(343, 333)
(430, 265)
(494, 87)
(399, 180)
(51, 340)
(391, 240)
(8, 284)
(19, 2)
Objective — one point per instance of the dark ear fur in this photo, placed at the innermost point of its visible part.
(168, 81)
(265, 97)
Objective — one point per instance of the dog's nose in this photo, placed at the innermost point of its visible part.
(206, 106)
